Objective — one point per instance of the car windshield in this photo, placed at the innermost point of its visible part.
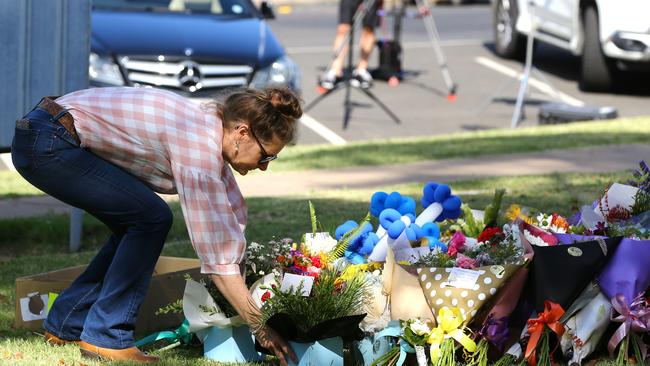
(218, 7)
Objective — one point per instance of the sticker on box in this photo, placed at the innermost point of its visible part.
(34, 306)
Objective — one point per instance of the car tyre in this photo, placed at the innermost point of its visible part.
(508, 42)
(596, 69)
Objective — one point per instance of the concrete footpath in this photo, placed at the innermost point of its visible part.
(585, 160)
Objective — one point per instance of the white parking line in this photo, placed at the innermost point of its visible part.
(406, 45)
(321, 130)
(5, 162)
(539, 85)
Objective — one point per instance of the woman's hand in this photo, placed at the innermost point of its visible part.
(235, 291)
(271, 340)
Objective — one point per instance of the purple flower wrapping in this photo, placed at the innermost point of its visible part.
(575, 238)
(627, 273)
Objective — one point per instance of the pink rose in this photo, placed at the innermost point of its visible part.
(465, 262)
(456, 244)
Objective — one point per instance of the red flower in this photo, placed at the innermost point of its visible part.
(266, 296)
(316, 261)
(488, 233)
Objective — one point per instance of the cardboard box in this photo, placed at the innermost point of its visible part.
(34, 293)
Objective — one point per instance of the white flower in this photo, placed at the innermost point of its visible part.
(557, 229)
(419, 327)
(534, 240)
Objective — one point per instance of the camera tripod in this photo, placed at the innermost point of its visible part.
(433, 36)
(347, 78)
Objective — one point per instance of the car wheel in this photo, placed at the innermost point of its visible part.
(507, 41)
(596, 71)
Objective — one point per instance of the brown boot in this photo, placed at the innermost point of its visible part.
(109, 354)
(53, 340)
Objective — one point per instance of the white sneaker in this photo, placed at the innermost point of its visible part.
(361, 78)
(328, 80)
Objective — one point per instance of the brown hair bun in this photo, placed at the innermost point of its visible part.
(285, 102)
(269, 112)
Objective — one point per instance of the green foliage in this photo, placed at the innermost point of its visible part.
(330, 298)
(641, 179)
(312, 217)
(389, 358)
(342, 244)
(175, 307)
(447, 353)
(492, 210)
(468, 224)
(506, 360)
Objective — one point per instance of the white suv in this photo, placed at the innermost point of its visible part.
(608, 35)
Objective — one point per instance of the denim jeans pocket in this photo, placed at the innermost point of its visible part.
(23, 148)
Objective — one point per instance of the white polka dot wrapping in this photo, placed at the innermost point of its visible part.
(439, 293)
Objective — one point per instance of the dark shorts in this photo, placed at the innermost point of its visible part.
(347, 8)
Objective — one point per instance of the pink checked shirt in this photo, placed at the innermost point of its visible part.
(174, 146)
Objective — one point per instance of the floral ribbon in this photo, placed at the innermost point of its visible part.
(394, 330)
(635, 317)
(180, 335)
(550, 317)
(495, 331)
(449, 326)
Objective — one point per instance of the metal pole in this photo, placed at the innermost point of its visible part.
(523, 87)
(76, 221)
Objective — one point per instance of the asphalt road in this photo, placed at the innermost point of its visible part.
(420, 100)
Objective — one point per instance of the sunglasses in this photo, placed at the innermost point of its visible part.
(265, 158)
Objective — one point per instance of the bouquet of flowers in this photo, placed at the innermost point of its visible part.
(261, 258)
(415, 335)
(465, 278)
(624, 278)
(310, 298)
(560, 273)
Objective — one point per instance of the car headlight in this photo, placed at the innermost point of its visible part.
(104, 70)
(282, 72)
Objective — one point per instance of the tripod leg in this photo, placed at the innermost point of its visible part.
(434, 37)
(347, 108)
(382, 105)
(313, 103)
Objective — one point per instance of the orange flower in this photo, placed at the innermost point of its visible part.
(559, 221)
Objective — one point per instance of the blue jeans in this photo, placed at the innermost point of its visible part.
(101, 305)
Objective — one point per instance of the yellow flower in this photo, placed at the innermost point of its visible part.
(450, 322)
(513, 212)
(352, 271)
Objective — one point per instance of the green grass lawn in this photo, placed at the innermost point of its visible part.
(459, 145)
(469, 144)
(35, 245)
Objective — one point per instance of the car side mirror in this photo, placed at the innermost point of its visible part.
(267, 10)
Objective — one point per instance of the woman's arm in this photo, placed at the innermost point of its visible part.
(235, 291)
